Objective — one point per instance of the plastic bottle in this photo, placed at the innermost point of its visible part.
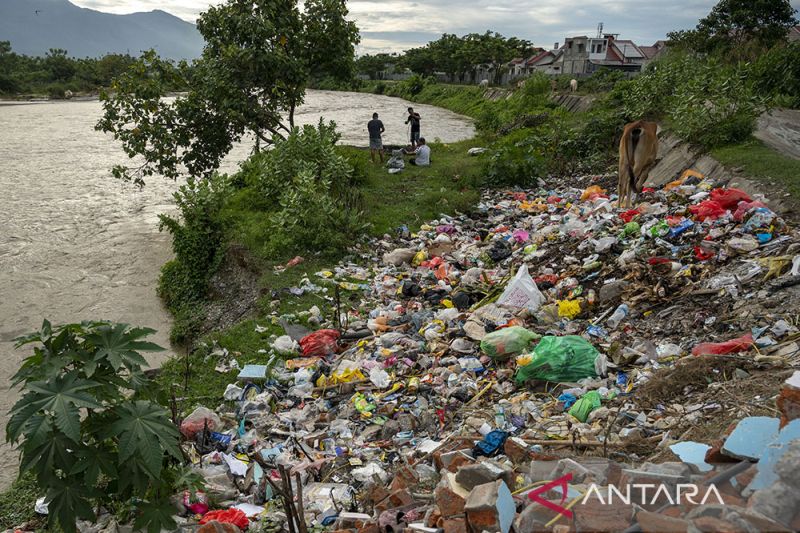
(621, 312)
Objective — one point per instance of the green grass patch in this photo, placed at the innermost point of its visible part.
(763, 164)
(17, 503)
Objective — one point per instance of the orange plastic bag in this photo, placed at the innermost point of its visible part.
(592, 192)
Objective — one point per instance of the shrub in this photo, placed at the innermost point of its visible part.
(309, 191)
(197, 242)
(777, 74)
(380, 88)
(85, 440)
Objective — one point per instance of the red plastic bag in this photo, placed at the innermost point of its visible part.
(228, 516)
(320, 343)
(744, 207)
(729, 198)
(629, 215)
(742, 344)
(702, 254)
(707, 209)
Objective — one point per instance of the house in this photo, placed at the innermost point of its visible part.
(794, 34)
(546, 62)
(584, 55)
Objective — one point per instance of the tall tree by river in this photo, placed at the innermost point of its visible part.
(259, 58)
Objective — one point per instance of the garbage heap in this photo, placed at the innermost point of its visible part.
(539, 364)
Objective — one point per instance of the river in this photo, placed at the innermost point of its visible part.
(76, 244)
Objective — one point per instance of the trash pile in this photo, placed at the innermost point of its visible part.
(504, 370)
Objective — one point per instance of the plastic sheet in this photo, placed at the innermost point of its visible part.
(740, 344)
(320, 343)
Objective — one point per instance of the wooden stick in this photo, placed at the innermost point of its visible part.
(301, 513)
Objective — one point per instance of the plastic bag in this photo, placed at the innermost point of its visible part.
(569, 308)
(744, 207)
(762, 217)
(629, 215)
(228, 516)
(707, 209)
(195, 422)
(285, 345)
(592, 192)
(729, 198)
(508, 341)
(522, 292)
(741, 344)
(585, 405)
(320, 343)
(559, 359)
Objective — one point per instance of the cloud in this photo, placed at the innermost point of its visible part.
(394, 25)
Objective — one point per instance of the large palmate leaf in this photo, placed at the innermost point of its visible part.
(92, 463)
(67, 502)
(47, 457)
(155, 517)
(62, 397)
(120, 345)
(144, 430)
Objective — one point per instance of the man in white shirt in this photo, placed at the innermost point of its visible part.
(423, 154)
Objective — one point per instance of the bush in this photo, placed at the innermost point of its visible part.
(380, 88)
(196, 241)
(777, 74)
(87, 443)
(703, 100)
(309, 191)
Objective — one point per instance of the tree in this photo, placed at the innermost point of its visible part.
(733, 24)
(259, 57)
(61, 67)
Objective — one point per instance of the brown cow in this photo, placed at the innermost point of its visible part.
(638, 149)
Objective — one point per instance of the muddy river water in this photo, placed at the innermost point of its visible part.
(76, 244)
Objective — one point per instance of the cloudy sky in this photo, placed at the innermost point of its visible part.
(393, 25)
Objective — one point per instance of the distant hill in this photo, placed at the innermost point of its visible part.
(35, 26)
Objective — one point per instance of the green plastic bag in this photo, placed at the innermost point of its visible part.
(506, 342)
(585, 405)
(559, 359)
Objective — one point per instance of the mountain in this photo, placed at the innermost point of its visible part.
(35, 26)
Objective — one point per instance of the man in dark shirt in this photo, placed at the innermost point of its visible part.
(375, 128)
(413, 118)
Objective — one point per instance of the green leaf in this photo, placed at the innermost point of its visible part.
(20, 413)
(62, 397)
(145, 430)
(120, 345)
(66, 503)
(154, 517)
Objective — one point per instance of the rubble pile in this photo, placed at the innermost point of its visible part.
(518, 367)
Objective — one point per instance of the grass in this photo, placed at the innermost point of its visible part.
(16, 504)
(416, 195)
(763, 164)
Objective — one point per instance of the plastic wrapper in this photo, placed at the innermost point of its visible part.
(285, 345)
(506, 342)
(568, 358)
(729, 198)
(320, 343)
(740, 344)
(196, 421)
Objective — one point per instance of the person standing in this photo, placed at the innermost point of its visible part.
(413, 119)
(375, 129)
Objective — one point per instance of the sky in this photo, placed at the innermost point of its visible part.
(394, 26)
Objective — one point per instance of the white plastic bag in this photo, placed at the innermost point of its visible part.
(522, 292)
